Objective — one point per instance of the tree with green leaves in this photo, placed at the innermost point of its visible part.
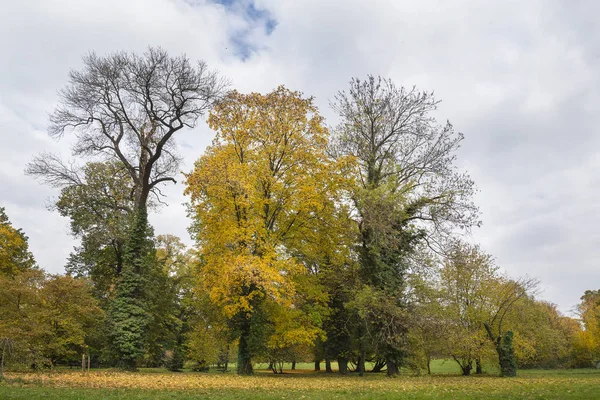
(478, 303)
(407, 192)
(588, 340)
(467, 281)
(97, 200)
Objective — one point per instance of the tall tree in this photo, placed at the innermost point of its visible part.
(408, 189)
(263, 192)
(127, 108)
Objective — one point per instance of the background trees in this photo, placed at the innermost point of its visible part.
(43, 318)
(14, 250)
(308, 247)
(588, 340)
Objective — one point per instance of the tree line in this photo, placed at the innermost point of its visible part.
(313, 243)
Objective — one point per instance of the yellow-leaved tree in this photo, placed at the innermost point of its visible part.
(263, 196)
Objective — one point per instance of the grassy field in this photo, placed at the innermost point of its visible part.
(300, 384)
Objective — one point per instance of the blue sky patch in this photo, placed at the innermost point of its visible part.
(257, 17)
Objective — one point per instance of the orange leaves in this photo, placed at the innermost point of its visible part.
(14, 252)
(534, 384)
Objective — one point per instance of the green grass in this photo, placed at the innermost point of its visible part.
(159, 384)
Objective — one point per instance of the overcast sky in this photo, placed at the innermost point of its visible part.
(520, 79)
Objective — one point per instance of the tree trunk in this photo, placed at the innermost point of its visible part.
(506, 355)
(428, 365)
(244, 366)
(317, 365)
(361, 365)
(392, 368)
(466, 369)
(293, 365)
(328, 366)
(343, 365)
(379, 364)
(505, 350)
(478, 366)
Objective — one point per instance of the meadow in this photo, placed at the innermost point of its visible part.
(303, 383)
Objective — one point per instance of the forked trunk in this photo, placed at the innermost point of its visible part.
(379, 365)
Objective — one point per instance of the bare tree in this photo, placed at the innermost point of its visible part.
(398, 143)
(127, 107)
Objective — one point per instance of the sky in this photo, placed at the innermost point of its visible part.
(520, 79)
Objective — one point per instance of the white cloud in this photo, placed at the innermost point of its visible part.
(518, 78)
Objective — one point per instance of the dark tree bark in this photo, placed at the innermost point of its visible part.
(466, 369)
(293, 365)
(244, 366)
(361, 365)
(379, 365)
(272, 367)
(328, 366)
(342, 365)
(478, 366)
(392, 368)
(428, 364)
(506, 352)
(317, 365)
(466, 366)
